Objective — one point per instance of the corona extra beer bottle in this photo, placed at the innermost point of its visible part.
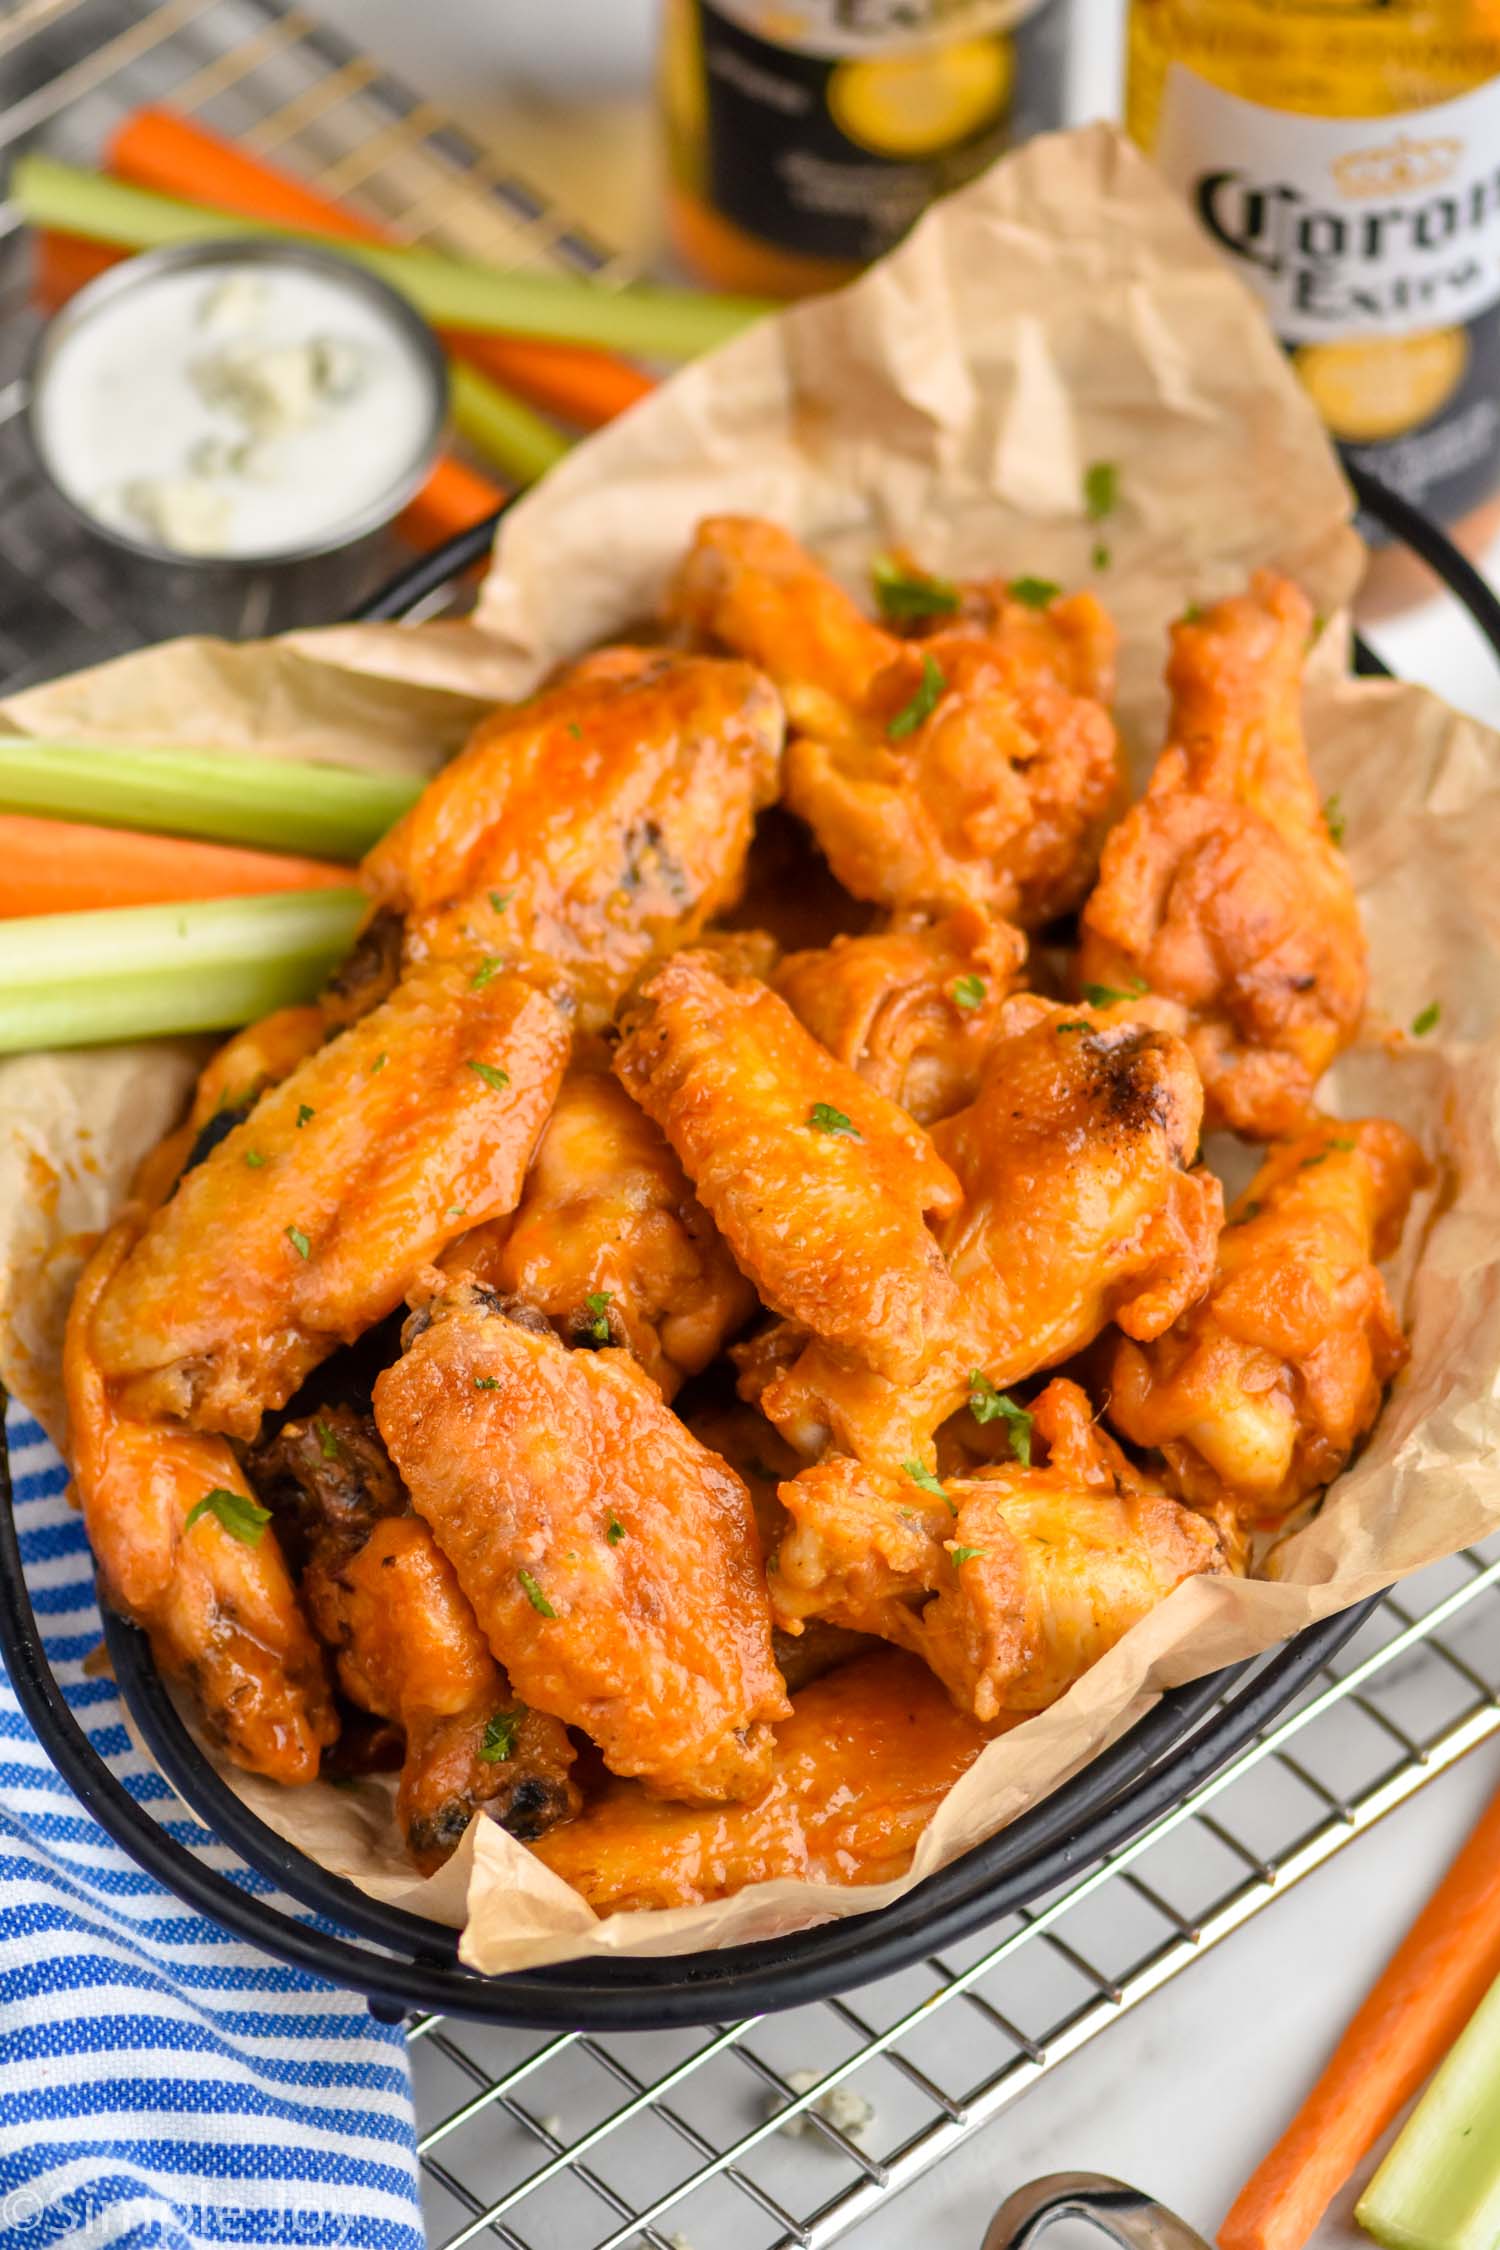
(1345, 154)
(805, 136)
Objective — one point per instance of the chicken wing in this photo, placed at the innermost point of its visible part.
(955, 771)
(1009, 1583)
(602, 822)
(211, 1589)
(1258, 1395)
(1070, 639)
(911, 1007)
(609, 1240)
(231, 1083)
(861, 1766)
(407, 1648)
(309, 1220)
(1078, 1209)
(819, 1185)
(1223, 887)
(612, 1561)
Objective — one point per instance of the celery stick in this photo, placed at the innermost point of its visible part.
(1439, 2187)
(130, 972)
(328, 811)
(514, 439)
(450, 292)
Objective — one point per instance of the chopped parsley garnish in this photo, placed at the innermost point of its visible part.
(1109, 995)
(824, 1118)
(969, 992)
(499, 900)
(534, 1595)
(964, 1554)
(379, 1064)
(1427, 1020)
(597, 1302)
(328, 1444)
(1101, 489)
(254, 1159)
(305, 1115)
(458, 1210)
(921, 1475)
(1333, 818)
(614, 1531)
(489, 967)
(987, 1404)
(922, 705)
(1033, 593)
(1101, 556)
(486, 1382)
(243, 1518)
(1344, 1142)
(1075, 1023)
(1192, 613)
(298, 1241)
(575, 730)
(905, 594)
(500, 1735)
(496, 1079)
(1321, 1157)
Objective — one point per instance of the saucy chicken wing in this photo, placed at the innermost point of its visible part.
(1223, 887)
(210, 1586)
(1009, 1583)
(860, 1767)
(955, 771)
(820, 1186)
(612, 1561)
(912, 1007)
(309, 1220)
(1258, 1395)
(609, 1240)
(406, 1645)
(602, 822)
(1078, 1209)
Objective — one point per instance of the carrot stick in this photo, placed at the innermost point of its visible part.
(1411, 2016)
(61, 866)
(62, 263)
(155, 148)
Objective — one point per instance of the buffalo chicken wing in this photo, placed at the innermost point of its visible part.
(1011, 1582)
(611, 1560)
(310, 1219)
(955, 771)
(1258, 1395)
(820, 1186)
(1223, 888)
(859, 1769)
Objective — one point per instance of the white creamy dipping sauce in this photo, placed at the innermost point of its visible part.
(234, 409)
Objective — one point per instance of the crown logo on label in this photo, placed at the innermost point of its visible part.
(1399, 167)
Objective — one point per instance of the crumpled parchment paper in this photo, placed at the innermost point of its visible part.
(1064, 310)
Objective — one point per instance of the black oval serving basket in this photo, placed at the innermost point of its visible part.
(402, 1962)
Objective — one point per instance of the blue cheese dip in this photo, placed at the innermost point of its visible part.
(237, 402)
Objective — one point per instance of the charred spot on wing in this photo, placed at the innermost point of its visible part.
(474, 1296)
(648, 861)
(328, 1479)
(535, 1806)
(217, 1129)
(368, 973)
(1130, 1083)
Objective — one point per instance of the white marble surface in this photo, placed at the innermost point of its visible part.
(1184, 2094)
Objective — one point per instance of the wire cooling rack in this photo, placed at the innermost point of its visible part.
(261, 72)
(599, 2141)
(593, 2143)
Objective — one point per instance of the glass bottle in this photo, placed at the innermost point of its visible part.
(805, 136)
(1345, 154)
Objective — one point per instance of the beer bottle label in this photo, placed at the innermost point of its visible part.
(1374, 244)
(831, 125)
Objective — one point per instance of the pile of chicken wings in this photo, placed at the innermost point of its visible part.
(718, 1309)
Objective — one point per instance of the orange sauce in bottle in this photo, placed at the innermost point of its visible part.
(1345, 154)
(805, 136)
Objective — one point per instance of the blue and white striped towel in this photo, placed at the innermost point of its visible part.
(162, 2086)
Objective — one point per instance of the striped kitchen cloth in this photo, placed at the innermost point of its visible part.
(163, 2086)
